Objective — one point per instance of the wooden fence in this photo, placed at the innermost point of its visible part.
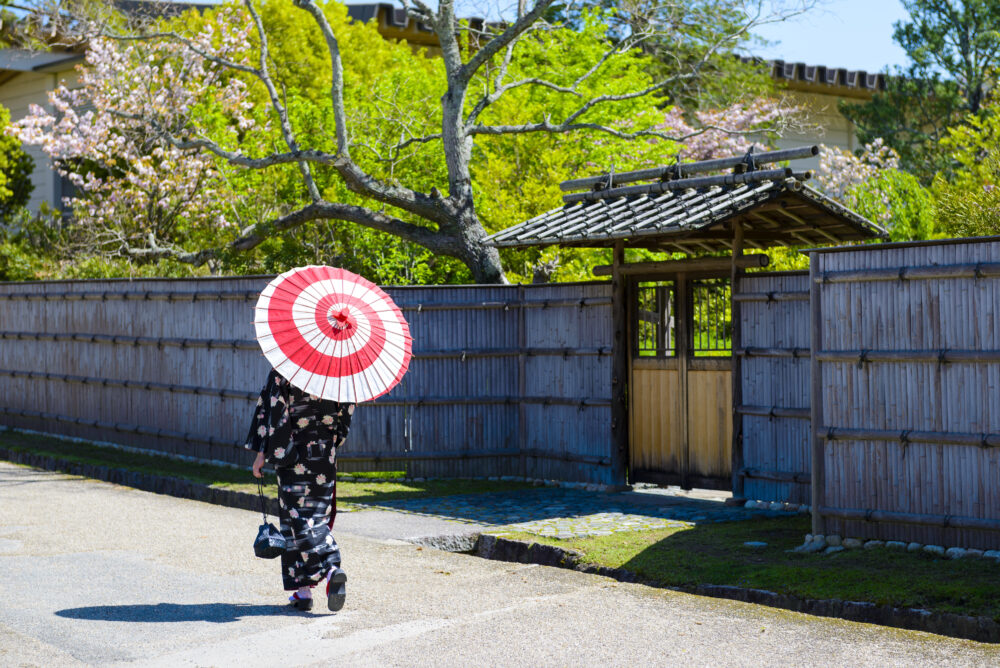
(505, 380)
(773, 418)
(905, 381)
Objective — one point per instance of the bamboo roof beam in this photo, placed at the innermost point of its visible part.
(675, 171)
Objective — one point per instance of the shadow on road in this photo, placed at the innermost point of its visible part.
(538, 505)
(220, 613)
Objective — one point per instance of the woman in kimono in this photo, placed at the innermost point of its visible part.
(299, 434)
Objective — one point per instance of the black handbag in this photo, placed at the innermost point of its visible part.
(269, 542)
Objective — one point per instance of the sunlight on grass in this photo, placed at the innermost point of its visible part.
(715, 554)
(241, 480)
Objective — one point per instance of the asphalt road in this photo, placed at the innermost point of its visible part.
(92, 573)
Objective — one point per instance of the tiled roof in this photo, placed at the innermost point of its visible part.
(821, 74)
(26, 60)
(780, 212)
(394, 16)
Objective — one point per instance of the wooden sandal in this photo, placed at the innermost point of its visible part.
(336, 589)
(303, 604)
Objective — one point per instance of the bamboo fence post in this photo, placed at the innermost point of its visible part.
(735, 343)
(682, 351)
(816, 403)
(619, 367)
(522, 380)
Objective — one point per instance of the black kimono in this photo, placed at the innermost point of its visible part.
(299, 434)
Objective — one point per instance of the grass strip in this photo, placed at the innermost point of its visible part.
(715, 554)
(224, 477)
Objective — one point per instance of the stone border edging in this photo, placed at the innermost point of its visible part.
(981, 629)
(147, 482)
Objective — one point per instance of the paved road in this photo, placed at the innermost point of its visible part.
(92, 573)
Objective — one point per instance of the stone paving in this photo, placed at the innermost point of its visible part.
(564, 513)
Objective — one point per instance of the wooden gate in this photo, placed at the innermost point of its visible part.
(680, 382)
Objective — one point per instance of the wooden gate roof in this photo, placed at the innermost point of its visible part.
(779, 212)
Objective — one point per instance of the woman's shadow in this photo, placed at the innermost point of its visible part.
(220, 613)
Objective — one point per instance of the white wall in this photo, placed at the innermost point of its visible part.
(824, 125)
(25, 89)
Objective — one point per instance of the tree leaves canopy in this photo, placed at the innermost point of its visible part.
(953, 47)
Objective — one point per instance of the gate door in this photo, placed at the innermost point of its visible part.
(680, 385)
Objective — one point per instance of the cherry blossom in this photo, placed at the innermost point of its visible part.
(841, 173)
(109, 137)
(841, 170)
(720, 133)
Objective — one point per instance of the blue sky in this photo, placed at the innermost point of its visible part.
(856, 34)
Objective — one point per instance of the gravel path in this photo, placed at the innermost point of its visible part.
(95, 574)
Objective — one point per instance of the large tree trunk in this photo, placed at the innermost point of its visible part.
(481, 259)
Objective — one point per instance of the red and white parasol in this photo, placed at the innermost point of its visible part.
(333, 334)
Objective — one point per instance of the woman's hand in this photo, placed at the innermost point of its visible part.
(258, 464)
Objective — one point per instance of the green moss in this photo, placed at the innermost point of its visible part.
(714, 554)
(381, 475)
(226, 477)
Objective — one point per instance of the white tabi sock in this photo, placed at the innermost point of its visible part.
(305, 592)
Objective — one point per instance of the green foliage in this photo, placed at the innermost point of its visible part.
(97, 266)
(910, 207)
(29, 245)
(786, 259)
(390, 91)
(972, 212)
(698, 51)
(969, 201)
(953, 50)
(15, 171)
(516, 177)
(961, 39)
(17, 263)
(912, 116)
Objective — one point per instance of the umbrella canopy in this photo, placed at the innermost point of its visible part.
(333, 334)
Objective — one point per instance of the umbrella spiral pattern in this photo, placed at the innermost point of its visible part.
(333, 334)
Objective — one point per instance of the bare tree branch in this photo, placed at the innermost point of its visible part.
(493, 47)
(153, 251)
(254, 235)
(499, 90)
(189, 44)
(356, 178)
(560, 128)
(277, 105)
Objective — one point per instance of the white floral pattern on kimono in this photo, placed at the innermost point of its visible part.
(299, 434)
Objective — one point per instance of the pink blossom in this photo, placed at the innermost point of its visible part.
(130, 95)
(719, 133)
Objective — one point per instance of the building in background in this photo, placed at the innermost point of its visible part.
(818, 90)
(26, 78)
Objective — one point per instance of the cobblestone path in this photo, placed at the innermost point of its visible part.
(569, 513)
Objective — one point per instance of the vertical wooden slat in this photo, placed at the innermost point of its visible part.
(737, 374)
(619, 369)
(816, 405)
(683, 353)
(571, 430)
(522, 382)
